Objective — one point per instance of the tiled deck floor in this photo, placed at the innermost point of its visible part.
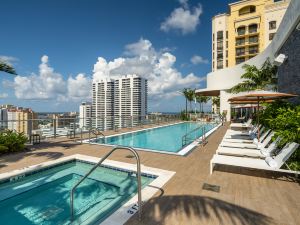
(243, 198)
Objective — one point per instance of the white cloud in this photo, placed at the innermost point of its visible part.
(48, 84)
(183, 19)
(79, 87)
(3, 95)
(196, 59)
(8, 59)
(184, 3)
(164, 80)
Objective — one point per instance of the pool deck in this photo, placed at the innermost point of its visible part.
(245, 196)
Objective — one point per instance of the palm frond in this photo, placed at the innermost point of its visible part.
(4, 67)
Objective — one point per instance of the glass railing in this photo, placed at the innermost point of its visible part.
(52, 128)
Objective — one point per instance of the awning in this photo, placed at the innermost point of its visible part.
(207, 92)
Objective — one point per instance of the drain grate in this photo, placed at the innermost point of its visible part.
(211, 187)
(129, 156)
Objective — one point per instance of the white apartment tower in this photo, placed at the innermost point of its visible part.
(120, 102)
(130, 100)
(103, 104)
(85, 115)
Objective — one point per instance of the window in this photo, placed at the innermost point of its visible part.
(226, 53)
(253, 49)
(240, 51)
(241, 30)
(253, 28)
(239, 60)
(271, 36)
(213, 45)
(272, 25)
(220, 56)
(247, 9)
(219, 64)
(219, 35)
(213, 64)
(213, 55)
(226, 44)
(220, 45)
(253, 39)
(240, 41)
(213, 36)
(227, 34)
(226, 63)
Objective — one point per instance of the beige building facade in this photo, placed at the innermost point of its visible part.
(245, 31)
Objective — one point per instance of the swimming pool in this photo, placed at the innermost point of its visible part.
(42, 196)
(166, 139)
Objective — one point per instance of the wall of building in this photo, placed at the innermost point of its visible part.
(289, 71)
(219, 24)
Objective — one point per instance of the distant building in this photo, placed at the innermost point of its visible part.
(130, 100)
(245, 31)
(120, 102)
(103, 104)
(85, 115)
(21, 120)
(3, 119)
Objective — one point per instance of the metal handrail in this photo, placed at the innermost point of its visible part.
(98, 164)
(96, 134)
(184, 137)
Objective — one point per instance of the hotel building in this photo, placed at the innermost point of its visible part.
(245, 31)
(120, 102)
(285, 44)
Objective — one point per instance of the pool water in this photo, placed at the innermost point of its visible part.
(44, 197)
(166, 139)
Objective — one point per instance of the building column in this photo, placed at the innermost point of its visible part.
(224, 104)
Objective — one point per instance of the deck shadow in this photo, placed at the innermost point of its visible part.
(197, 210)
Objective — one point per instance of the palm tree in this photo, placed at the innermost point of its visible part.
(185, 93)
(190, 96)
(257, 78)
(204, 100)
(4, 67)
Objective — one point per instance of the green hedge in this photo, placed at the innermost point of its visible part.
(12, 142)
(284, 119)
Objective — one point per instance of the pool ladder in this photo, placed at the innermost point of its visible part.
(96, 131)
(134, 152)
(185, 138)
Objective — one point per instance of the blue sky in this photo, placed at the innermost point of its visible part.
(55, 47)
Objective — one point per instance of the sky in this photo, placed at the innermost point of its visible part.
(59, 47)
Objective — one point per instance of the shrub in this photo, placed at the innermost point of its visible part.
(12, 142)
(284, 119)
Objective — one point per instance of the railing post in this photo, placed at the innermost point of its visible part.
(54, 127)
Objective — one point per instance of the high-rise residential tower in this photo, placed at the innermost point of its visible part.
(103, 104)
(246, 30)
(119, 102)
(130, 100)
(85, 115)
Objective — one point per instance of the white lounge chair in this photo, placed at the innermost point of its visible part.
(242, 138)
(242, 152)
(242, 125)
(235, 133)
(263, 142)
(269, 163)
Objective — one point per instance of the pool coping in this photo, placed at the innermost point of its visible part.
(184, 151)
(128, 209)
